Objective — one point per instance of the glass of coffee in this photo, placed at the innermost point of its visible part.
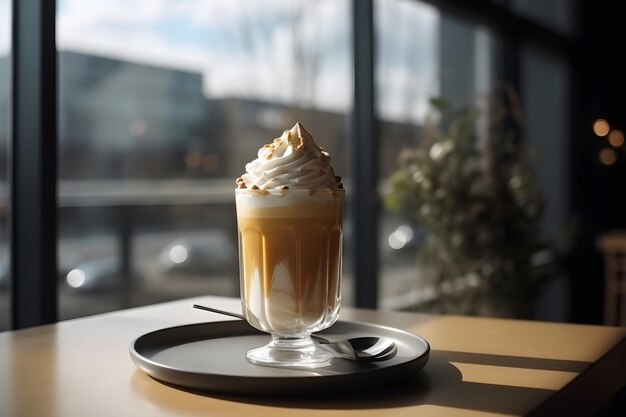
(290, 244)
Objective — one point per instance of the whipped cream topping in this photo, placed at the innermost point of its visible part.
(293, 160)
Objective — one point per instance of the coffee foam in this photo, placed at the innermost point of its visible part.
(287, 203)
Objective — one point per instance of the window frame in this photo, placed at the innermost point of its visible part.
(33, 164)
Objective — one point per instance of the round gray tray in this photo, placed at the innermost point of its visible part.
(211, 357)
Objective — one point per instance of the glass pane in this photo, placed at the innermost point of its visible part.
(5, 117)
(557, 14)
(407, 75)
(546, 104)
(161, 106)
(462, 227)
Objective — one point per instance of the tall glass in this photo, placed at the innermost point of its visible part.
(290, 245)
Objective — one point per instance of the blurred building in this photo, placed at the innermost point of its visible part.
(124, 120)
(127, 120)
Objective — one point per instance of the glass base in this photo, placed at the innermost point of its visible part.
(291, 352)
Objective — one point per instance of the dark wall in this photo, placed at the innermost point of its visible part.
(598, 191)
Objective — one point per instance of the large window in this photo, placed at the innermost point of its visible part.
(161, 106)
(162, 103)
(472, 165)
(5, 115)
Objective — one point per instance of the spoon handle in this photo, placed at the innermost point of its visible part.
(214, 310)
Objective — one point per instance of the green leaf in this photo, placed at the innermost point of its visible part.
(439, 103)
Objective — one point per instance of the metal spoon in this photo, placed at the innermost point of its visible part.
(359, 349)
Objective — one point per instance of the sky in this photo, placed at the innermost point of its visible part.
(5, 26)
(291, 51)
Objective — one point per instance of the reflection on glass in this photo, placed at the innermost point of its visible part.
(161, 106)
(556, 14)
(5, 116)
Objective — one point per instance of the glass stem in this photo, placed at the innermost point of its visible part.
(291, 342)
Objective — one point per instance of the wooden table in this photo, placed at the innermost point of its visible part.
(478, 367)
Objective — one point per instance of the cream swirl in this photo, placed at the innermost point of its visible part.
(293, 160)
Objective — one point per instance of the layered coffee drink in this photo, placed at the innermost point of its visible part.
(290, 258)
(289, 218)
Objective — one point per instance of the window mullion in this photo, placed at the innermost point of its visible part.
(365, 201)
(33, 216)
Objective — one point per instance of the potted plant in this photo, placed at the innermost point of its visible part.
(480, 204)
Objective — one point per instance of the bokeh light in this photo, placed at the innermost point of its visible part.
(193, 159)
(400, 237)
(178, 254)
(138, 128)
(76, 278)
(616, 138)
(607, 156)
(601, 127)
(211, 161)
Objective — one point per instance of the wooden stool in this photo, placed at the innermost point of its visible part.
(613, 245)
